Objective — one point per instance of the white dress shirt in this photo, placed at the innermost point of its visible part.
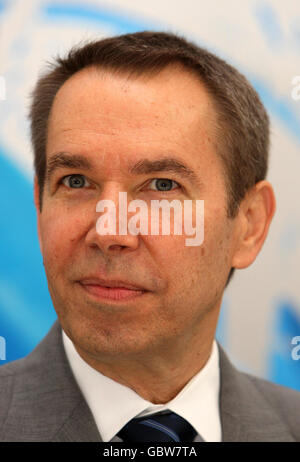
(113, 404)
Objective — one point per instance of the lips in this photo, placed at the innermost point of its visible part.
(110, 283)
(111, 289)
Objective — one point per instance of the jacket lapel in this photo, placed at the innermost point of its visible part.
(79, 424)
(79, 427)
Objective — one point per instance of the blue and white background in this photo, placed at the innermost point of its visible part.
(261, 308)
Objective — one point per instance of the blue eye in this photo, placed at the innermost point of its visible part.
(163, 184)
(75, 181)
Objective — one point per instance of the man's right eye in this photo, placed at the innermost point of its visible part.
(75, 181)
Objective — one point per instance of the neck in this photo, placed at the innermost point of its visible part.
(159, 376)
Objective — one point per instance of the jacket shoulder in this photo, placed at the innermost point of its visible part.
(11, 369)
(15, 378)
(37, 393)
(6, 390)
(285, 400)
(273, 403)
(255, 409)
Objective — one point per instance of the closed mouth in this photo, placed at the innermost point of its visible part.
(112, 290)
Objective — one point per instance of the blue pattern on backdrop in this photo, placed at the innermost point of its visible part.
(2, 5)
(25, 306)
(99, 14)
(283, 369)
(270, 25)
(278, 107)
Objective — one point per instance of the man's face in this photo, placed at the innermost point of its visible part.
(112, 123)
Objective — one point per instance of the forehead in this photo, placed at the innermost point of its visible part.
(125, 116)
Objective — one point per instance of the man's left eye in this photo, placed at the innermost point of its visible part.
(163, 184)
(75, 181)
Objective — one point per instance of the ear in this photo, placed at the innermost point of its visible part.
(254, 218)
(38, 211)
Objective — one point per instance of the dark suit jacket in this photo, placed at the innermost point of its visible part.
(40, 401)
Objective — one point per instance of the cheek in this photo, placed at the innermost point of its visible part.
(177, 262)
(60, 233)
(216, 249)
(192, 268)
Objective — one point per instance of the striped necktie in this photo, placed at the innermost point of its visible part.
(165, 427)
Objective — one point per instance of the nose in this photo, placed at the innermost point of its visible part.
(109, 231)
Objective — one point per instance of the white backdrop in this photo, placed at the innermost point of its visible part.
(261, 309)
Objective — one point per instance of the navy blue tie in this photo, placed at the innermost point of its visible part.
(167, 427)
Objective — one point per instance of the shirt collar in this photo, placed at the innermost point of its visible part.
(113, 404)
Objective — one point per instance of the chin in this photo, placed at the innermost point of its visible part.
(101, 342)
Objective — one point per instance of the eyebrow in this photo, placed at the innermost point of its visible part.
(167, 164)
(65, 160)
(142, 167)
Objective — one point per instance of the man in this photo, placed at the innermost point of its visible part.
(157, 118)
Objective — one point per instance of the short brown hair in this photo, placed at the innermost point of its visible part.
(242, 119)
